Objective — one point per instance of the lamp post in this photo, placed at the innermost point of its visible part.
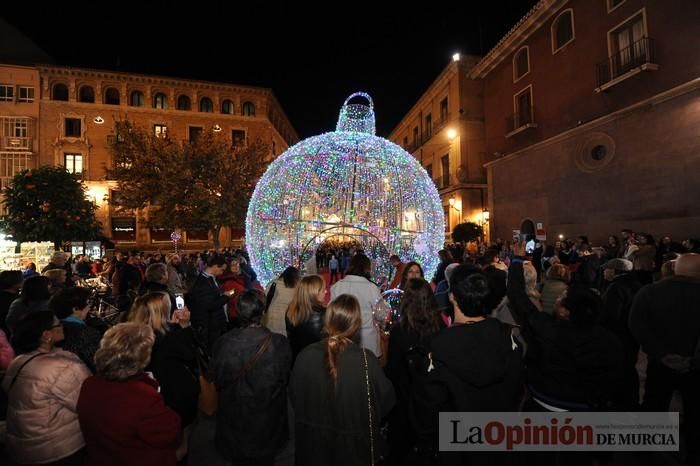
(452, 202)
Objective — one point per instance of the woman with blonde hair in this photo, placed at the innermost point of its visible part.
(305, 314)
(339, 394)
(121, 413)
(174, 360)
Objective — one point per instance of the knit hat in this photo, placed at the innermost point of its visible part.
(622, 265)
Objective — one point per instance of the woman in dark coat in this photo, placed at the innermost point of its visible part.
(250, 369)
(409, 341)
(306, 313)
(339, 394)
(174, 356)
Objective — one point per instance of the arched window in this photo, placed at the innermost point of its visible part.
(112, 96)
(86, 94)
(206, 105)
(184, 103)
(248, 109)
(562, 29)
(160, 100)
(521, 63)
(136, 99)
(227, 107)
(60, 92)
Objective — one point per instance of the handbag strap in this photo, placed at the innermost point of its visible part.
(249, 365)
(369, 410)
(14, 379)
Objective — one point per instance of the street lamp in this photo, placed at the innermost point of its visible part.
(453, 202)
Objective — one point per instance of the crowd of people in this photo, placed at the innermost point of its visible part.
(303, 366)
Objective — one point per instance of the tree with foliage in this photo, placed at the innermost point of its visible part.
(204, 184)
(49, 204)
(467, 231)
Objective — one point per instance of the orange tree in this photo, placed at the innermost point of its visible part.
(202, 184)
(49, 204)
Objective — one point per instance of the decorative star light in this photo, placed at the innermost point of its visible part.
(348, 184)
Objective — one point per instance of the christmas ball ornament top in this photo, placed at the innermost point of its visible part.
(345, 185)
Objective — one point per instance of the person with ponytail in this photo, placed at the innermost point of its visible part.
(339, 394)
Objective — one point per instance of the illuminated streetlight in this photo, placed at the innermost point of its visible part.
(451, 133)
(455, 57)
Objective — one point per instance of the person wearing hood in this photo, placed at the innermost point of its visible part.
(477, 363)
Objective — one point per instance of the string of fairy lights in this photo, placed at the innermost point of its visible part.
(347, 184)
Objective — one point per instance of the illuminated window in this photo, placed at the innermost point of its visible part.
(74, 163)
(160, 130)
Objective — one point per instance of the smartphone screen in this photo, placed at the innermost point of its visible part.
(179, 302)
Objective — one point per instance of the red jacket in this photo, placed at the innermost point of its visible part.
(127, 423)
(233, 282)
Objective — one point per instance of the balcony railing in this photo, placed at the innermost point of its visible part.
(16, 143)
(521, 120)
(636, 56)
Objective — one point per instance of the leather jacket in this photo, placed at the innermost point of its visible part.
(307, 333)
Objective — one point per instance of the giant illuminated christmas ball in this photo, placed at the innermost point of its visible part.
(345, 185)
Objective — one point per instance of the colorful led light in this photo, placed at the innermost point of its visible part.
(348, 183)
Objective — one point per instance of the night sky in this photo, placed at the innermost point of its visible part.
(311, 58)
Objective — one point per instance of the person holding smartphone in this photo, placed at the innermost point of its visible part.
(206, 302)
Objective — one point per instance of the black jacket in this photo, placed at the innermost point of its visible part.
(478, 367)
(6, 299)
(150, 287)
(665, 318)
(573, 367)
(617, 302)
(129, 278)
(308, 332)
(332, 423)
(82, 340)
(174, 364)
(251, 419)
(206, 304)
(565, 364)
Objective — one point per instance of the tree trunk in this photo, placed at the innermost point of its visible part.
(215, 233)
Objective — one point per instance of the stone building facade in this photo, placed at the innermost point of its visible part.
(592, 110)
(444, 130)
(71, 119)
